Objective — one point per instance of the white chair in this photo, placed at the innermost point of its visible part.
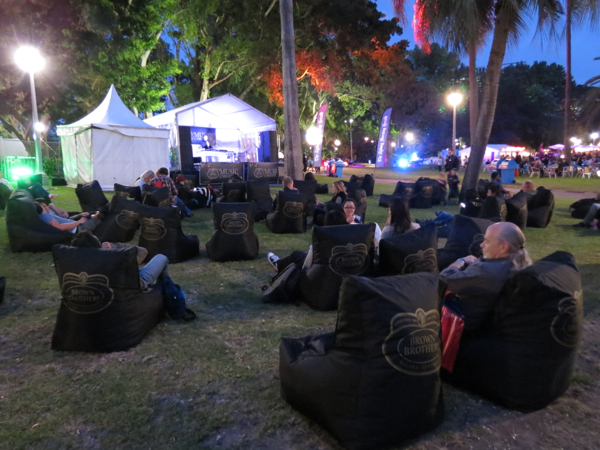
(551, 172)
(587, 173)
(567, 171)
(534, 172)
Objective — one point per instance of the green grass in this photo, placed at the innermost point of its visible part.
(212, 383)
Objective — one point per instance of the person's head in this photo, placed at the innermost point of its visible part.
(452, 172)
(400, 216)
(506, 240)
(528, 186)
(85, 239)
(471, 194)
(180, 179)
(494, 189)
(349, 207)
(163, 172)
(288, 182)
(335, 217)
(450, 152)
(495, 176)
(309, 176)
(338, 187)
(147, 176)
(40, 208)
(441, 176)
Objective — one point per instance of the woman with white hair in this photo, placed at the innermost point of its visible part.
(144, 178)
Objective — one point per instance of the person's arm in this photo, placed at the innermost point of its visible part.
(172, 186)
(58, 211)
(66, 226)
(309, 258)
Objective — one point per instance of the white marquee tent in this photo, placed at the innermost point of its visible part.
(111, 145)
(12, 147)
(237, 124)
(492, 151)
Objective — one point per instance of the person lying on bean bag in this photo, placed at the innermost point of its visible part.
(89, 222)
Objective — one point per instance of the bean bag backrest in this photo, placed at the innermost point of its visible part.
(368, 184)
(133, 192)
(308, 189)
(356, 179)
(516, 209)
(234, 238)
(102, 308)
(375, 381)
(472, 208)
(156, 197)
(26, 231)
(260, 194)
(404, 189)
(494, 209)
(160, 232)
(290, 216)
(540, 208)
(527, 357)
(4, 196)
(580, 208)
(466, 235)
(90, 195)
(425, 192)
(338, 250)
(120, 222)
(411, 252)
(234, 192)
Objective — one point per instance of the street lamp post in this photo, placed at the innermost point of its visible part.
(454, 99)
(594, 136)
(350, 121)
(29, 60)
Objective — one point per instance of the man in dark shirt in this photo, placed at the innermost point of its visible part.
(453, 182)
(452, 162)
(162, 179)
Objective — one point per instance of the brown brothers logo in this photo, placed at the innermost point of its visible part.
(427, 191)
(86, 294)
(153, 229)
(413, 345)
(293, 210)
(503, 212)
(212, 174)
(258, 173)
(165, 203)
(122, 194)
(234, 223)
(349, 259)
(127, 220)
(422, 261)
(565, 327)
(475, 247)
(522, 216)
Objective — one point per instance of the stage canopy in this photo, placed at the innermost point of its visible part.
(111, 145)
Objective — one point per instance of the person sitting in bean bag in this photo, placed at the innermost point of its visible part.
(86, 222)
(398, 221)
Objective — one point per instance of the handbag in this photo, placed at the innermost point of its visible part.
(452, 328)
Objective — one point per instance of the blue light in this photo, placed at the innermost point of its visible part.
(402, 163)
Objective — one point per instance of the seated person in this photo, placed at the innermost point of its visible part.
(57, 211)
(529, 188)
(334, 217)
(162, 179)
(87, 239)
(144, 179)
(66, 224)
(495, 190)
(349, 208)
(496, 180)
(5, 182)
(398, 221)
(476, 284)
(453, 183)
(288, 186)
(157, 268)
(591, 215)
(339, 196)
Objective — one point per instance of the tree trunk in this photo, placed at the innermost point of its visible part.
(293, 148)
(205, 77)
(473, 90)
(488, 100)
(566, 137)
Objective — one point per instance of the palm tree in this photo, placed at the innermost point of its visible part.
(576, 13)
(508, 18)
(590, 103)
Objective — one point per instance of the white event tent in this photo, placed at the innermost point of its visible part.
(236, 125)
(492, 151)
(111, 145)
(12, 147)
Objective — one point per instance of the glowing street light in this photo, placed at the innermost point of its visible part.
(350, 121)
(313, 136)
(366, 139)
(454, 99)
(410, 136)
(337, 142)
(29, 59)
(594, 136)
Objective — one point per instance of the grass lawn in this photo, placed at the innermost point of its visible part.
(214, 383)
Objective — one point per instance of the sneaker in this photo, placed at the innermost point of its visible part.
(53, 196)
(581, 225)
(273, 258)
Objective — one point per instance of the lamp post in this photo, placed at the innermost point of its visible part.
(454, 99)
(350, 121)
(30, 60)
(594, 136)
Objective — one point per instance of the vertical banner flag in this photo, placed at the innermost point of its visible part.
(320, 124)
(382, 141)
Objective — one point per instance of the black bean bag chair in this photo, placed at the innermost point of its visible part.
(90, 196)
(259, 193)
(427, 192)
(2, 288)
(526, 358)
(403, 190)
(26, 231)
(102, 308)
(580, 208)
(516, 209)
(368, 184)
(375, 381)
(234, 238)
(494, 209)
(121, 221)
(156, 197)
(290, 215)
(160, 232)
(308, 189)
(482, 188)
(337, 251)
(472, 208)
(233, 192)
(132, 192)
(5, 193)
(411, 252)
(466, 235)
(540, 208)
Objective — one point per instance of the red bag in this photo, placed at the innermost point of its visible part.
(452, 328)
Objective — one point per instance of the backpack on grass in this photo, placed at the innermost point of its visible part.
(174, 299)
